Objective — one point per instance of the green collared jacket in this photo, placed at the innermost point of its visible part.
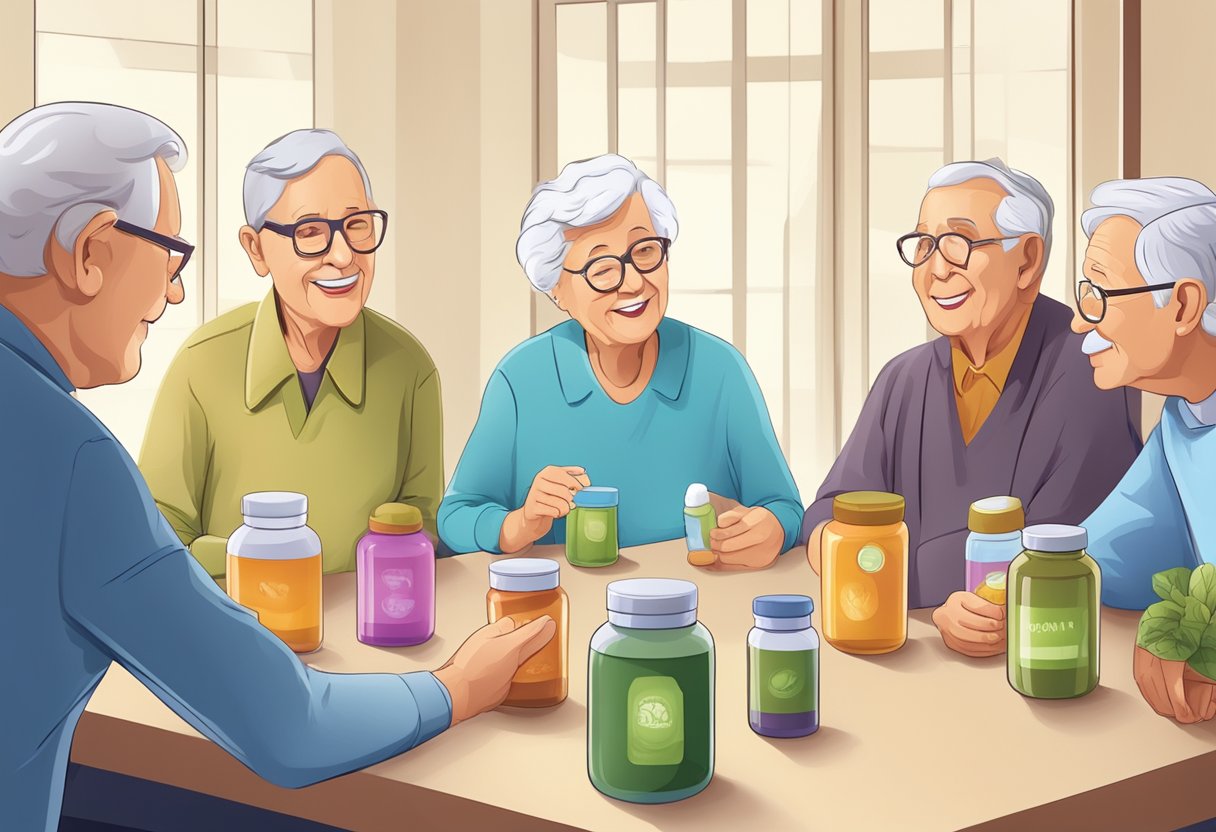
(230, 419)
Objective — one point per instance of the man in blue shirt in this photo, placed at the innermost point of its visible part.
(1145, 304)
(93, 573)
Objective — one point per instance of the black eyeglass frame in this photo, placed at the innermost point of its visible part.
(1103, 293)
(624, 260)
(171, 244)
(937, 239)
(335, 227)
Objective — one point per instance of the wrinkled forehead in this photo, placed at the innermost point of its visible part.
(1112, 248)
(972, 203)
(332, 186)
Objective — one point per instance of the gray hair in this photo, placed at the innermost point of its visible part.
(286, 158)
(63, 164)
(584, 193)
(1027, 209)
(1180, 214)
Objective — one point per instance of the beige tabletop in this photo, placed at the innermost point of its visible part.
(918, 739)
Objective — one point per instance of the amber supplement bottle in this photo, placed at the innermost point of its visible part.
(525, 589)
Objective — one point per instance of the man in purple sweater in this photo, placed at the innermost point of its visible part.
(1003, 404)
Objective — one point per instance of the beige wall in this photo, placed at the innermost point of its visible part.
(16, 58)
(436, 99)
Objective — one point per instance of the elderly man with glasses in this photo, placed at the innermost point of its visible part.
(308, 390)
(1002, 404)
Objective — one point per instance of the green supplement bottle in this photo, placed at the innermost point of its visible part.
(591, 528)
(783, 667)
(650, 703)
(1053, 621)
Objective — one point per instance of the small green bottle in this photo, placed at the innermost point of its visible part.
(1053, 616)
(699, 517)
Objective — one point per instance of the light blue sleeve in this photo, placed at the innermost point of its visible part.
(1140, 529)
(480, 495)
(127, 584)
(761, 475)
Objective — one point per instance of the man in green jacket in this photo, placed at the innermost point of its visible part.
(307, 391)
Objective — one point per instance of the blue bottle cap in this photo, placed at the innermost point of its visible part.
(783, 606)
(597, 497)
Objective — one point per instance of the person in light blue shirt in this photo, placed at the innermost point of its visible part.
(620, 395)
(93, 574)
(1145, 304)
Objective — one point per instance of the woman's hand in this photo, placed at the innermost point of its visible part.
(746, 538)
(550, 498)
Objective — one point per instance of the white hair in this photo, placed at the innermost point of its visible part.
(1027, 209)
(1181, 240)
(584, 193)
(63, 164)
(289, 157)
(1181, 244)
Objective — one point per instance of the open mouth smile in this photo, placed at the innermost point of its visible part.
(337, 286)
(633, 310)
(952, 302)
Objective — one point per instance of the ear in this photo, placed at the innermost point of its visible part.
(1189, 302)
(1030, 270)
(253, 247)
(83, 267)
(556, 302)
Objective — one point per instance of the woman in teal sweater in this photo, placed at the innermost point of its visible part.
(619, 395)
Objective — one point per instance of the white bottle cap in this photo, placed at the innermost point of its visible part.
(524, 575)
(275, 509)
(696, 496)
(1054, 538)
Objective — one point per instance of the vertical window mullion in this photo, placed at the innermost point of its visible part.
(614, 87)
(738, 167)
(208, 156)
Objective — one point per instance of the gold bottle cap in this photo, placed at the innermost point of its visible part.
(868, 508)
(996, 515)
(395, 518)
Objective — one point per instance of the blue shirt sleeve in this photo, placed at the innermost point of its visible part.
(127, 584)
(1140, 529)
(758, 467)
(480, 494)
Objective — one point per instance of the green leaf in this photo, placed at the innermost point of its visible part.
(1202, 585)
(1167, 632)
(1166, 583)
(1204, 659)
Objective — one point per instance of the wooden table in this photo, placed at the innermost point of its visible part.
(918, 739)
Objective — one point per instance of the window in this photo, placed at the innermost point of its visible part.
(229, 77)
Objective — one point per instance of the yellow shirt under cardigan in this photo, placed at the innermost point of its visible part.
(230, 419)
(977, 389)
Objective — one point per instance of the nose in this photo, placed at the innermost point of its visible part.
(177, 290)
(339, 254)
(633, 281)
(938, 268)
(1080, 325)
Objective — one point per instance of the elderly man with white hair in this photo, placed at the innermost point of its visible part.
(620, 395)
(89, 259)
(1146, 306)
(308, 390)
(1002, 404)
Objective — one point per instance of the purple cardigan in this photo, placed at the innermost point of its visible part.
(1054, 440)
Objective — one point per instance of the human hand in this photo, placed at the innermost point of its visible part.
(1173, 689)
(971, 625)
(550, 497)
(746, 538)
(478, 676)
(814, 549)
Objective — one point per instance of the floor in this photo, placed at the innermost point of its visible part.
(101, 801)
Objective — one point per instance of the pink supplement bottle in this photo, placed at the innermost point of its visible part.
(395, 571)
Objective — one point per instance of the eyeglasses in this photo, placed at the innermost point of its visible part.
(1091, 298)
(179, 250)
(313, 237)
(606, 273)
(916, 248)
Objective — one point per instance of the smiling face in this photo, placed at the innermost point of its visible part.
(960, 302)
(1141, 336)
(109, 331)
(327, 290)
(631, 314)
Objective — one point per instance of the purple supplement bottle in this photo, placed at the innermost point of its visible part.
(783, 667)
(395, 571)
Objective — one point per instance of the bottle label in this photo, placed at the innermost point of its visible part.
(692, 530)
(1053, 638)
(785, 681)
(871, 558)
(655, 735)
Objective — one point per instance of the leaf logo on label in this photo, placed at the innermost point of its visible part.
(785, 684)
(274, 590)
